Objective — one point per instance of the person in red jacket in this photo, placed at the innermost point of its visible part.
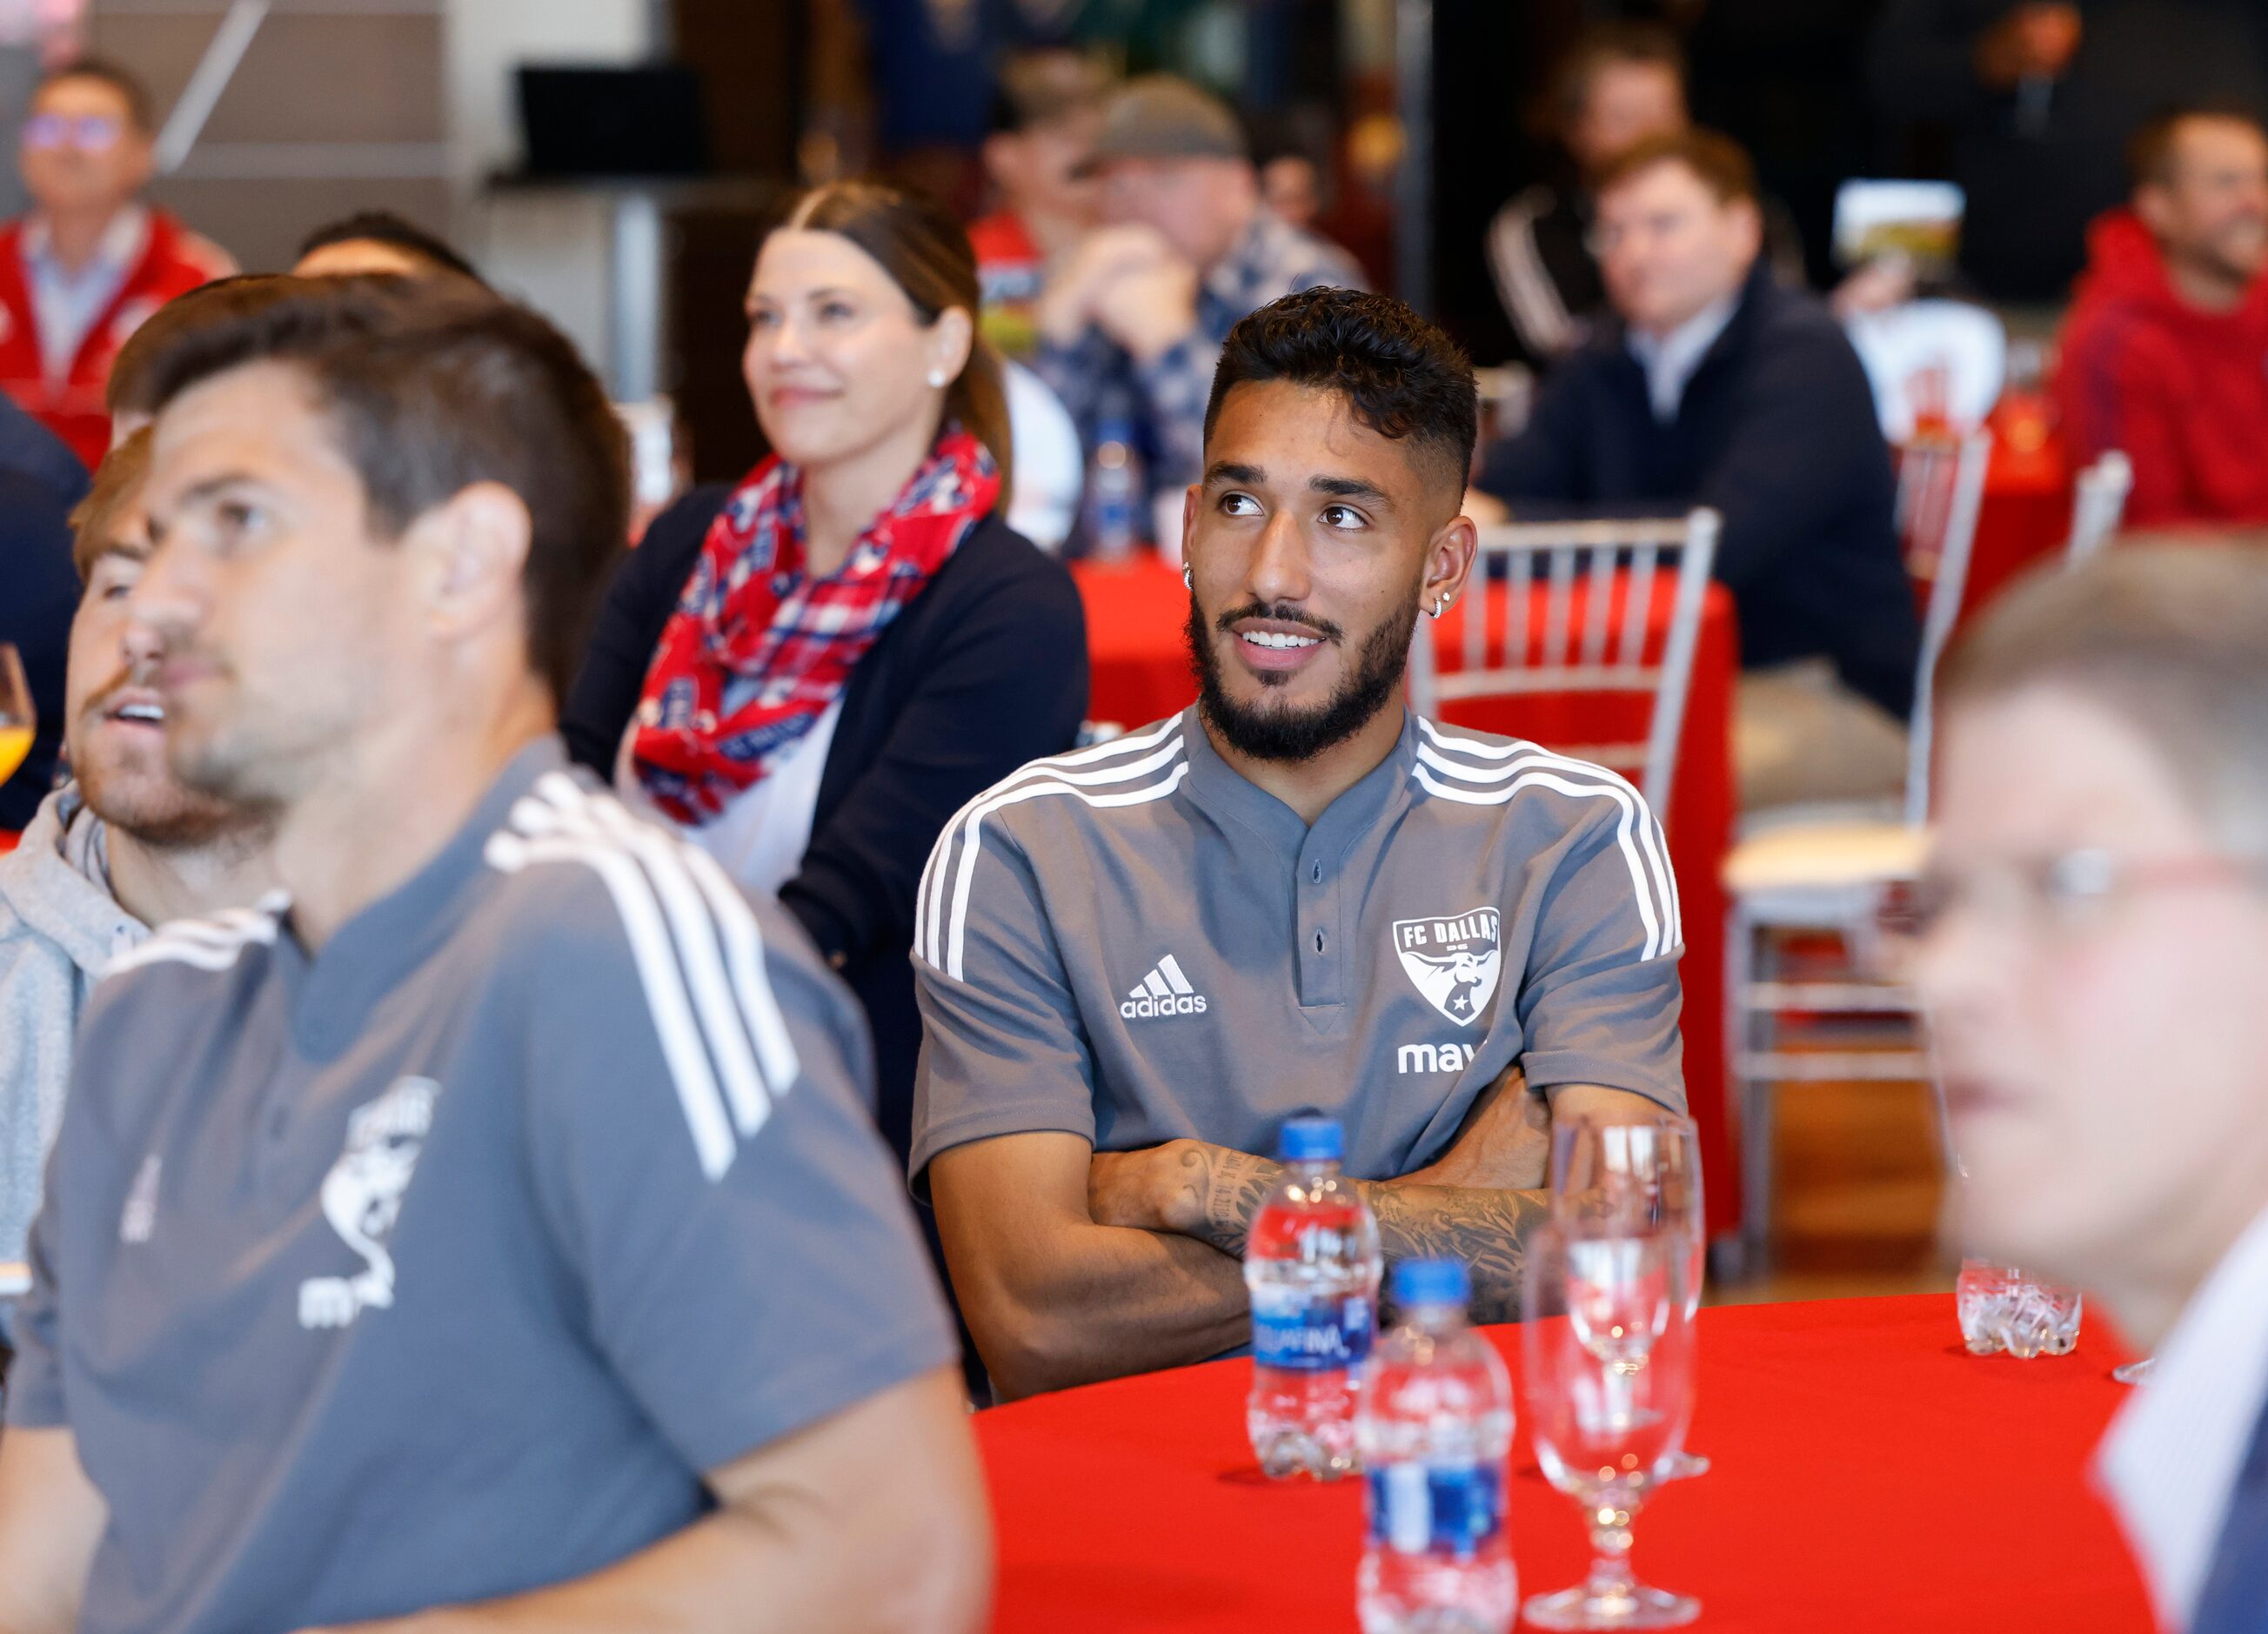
(2165, 353)
(91, 261)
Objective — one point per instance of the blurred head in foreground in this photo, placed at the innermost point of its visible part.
(383, 509)
(2094, 930)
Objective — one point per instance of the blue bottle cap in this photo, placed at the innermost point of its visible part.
(1432, 1282)
(1311, 1140)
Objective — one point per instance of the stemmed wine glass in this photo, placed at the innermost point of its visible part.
(18, 719)
(1608, 1359)
(1646, 1178)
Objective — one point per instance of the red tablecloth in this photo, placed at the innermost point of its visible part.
(1867, 1477)
(1140, 672)
(2025, 518)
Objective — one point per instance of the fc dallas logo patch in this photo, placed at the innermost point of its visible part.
(1455, 962)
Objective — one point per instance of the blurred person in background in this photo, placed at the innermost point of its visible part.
(2034, 100)
(120, 847)
(1616, 86)
(91, 261)
(379, 240)
(518, 1167)
(1047, 112)
(807, 673)
(2165, 353)
(2099, 895)
(1715, 386)
(39, 482)
(1132, 324)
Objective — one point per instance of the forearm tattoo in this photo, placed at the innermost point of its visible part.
(1487, 1230)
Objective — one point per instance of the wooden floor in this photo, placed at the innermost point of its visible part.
(1857, 1202)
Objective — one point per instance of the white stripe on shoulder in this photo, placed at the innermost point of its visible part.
(712, 1035)
(938, 934)
(734, 922)
(1519, 754)
(925, 893)
(1508, 768)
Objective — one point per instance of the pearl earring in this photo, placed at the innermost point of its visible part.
(937, 377)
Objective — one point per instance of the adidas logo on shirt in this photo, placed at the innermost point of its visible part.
(1165, 991)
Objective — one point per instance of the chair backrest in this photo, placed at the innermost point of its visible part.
(2098, 505)
(1553, 656)
(1931, 362)
(1940, 492)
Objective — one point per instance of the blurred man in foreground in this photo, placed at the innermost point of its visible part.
(1131, 326)
(2165, 354)
(122, 847)
(80, 273)
(2099, 896)
(489, 1221)
(1137, 961)
(1718, 387)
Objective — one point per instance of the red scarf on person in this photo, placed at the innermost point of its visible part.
(758, 649)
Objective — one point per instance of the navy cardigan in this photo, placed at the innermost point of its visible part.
(1777, 431)
(985, 669)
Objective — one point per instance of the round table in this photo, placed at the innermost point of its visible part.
(1868, 1477)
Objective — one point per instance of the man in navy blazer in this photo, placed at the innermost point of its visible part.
(2093, 950)
(1715, 386)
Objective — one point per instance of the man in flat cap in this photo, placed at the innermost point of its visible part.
(1131, 327)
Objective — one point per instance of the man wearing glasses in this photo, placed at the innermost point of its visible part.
(91, 261)
(2093, 951)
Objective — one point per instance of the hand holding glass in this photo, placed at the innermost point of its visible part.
(18, 719)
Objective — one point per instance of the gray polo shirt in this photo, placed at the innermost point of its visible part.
(439, 1265)
(1134, 943)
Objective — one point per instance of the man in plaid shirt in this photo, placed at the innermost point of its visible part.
(1131, 327)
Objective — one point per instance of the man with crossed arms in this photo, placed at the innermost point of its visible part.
(1135, 961)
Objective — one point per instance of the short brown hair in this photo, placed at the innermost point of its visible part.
(1567, 92)
(2173, 639)
(127, 390)
(1722, 164)
(2150, 150)
(924, 249)
(122, 80)
(117, 484)
(431, 385)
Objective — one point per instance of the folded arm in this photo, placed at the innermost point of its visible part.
(1479, 1204)
(1056, 1298)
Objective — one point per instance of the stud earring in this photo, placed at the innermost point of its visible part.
(937, 377)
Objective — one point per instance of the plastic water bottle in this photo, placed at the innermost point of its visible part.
(2003, 1309)
(1312, 1265)
(1435, 1428)
(1115, 490)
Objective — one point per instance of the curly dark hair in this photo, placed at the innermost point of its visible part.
(1402, 376)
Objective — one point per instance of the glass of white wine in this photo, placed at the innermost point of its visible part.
(18, 718)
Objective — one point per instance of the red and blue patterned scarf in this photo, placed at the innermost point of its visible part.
(758, 650)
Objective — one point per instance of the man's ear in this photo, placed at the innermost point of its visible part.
(472, 551)
(1448, 563)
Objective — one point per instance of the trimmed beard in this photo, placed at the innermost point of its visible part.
(1262, 734)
